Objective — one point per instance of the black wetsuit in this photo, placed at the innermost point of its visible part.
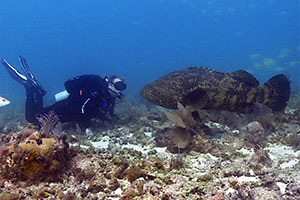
(89, 98)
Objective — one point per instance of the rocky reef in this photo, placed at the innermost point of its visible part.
(28, 157)
(155, 153)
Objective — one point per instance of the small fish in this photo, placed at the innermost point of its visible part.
(48, 193)
(4, 102)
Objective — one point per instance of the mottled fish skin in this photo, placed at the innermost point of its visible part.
(203, 88)
(4, 102)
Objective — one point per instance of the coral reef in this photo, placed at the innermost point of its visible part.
(26, 156)
(229, 156)
(255, 135)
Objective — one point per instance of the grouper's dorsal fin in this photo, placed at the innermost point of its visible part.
(246, 77)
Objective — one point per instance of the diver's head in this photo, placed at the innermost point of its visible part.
(116, 85)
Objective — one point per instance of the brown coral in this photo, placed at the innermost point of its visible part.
(34, 160)
(134, 172)
(45, 147)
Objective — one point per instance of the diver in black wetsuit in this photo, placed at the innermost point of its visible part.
(88, 96)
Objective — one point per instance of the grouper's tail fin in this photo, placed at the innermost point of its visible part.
(276, 92)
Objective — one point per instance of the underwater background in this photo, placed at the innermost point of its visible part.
(143, 40)
(144, 151)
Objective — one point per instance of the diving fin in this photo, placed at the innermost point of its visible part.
(27, 80)
(31, 79)
(15, 74)
(25, 68)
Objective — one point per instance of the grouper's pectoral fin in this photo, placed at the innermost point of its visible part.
(197, 99)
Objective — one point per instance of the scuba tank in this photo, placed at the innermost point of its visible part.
(61, 95)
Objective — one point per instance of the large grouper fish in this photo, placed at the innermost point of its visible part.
(207, 89)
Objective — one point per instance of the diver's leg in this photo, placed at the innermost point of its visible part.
(34, 105)
(61, 109)
(34, 91)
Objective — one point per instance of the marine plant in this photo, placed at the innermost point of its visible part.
(260, 158)
(49, 123)
(181, 134)
(176, 163)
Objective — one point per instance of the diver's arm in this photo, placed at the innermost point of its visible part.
(112, 110)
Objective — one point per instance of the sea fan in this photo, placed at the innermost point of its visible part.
(181, 134)
(180, 137)
(183, 118)
(49, 123)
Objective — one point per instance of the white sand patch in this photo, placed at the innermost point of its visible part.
(118, 192)
(283, 154)
(135, 147)
(77, 144)
(122, 128)
(161, 151)
(282, 151)
(102, 144)
(282, 187)
(149, 134)
(130, 135)
(214, 125)
(84, 146)
(289, 164)
(231, 191)
(201, 162)
(246, 152)
(247, 179)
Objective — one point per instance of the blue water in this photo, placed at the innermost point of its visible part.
(142, 40)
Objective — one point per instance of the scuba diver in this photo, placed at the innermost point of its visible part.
(85, 97)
